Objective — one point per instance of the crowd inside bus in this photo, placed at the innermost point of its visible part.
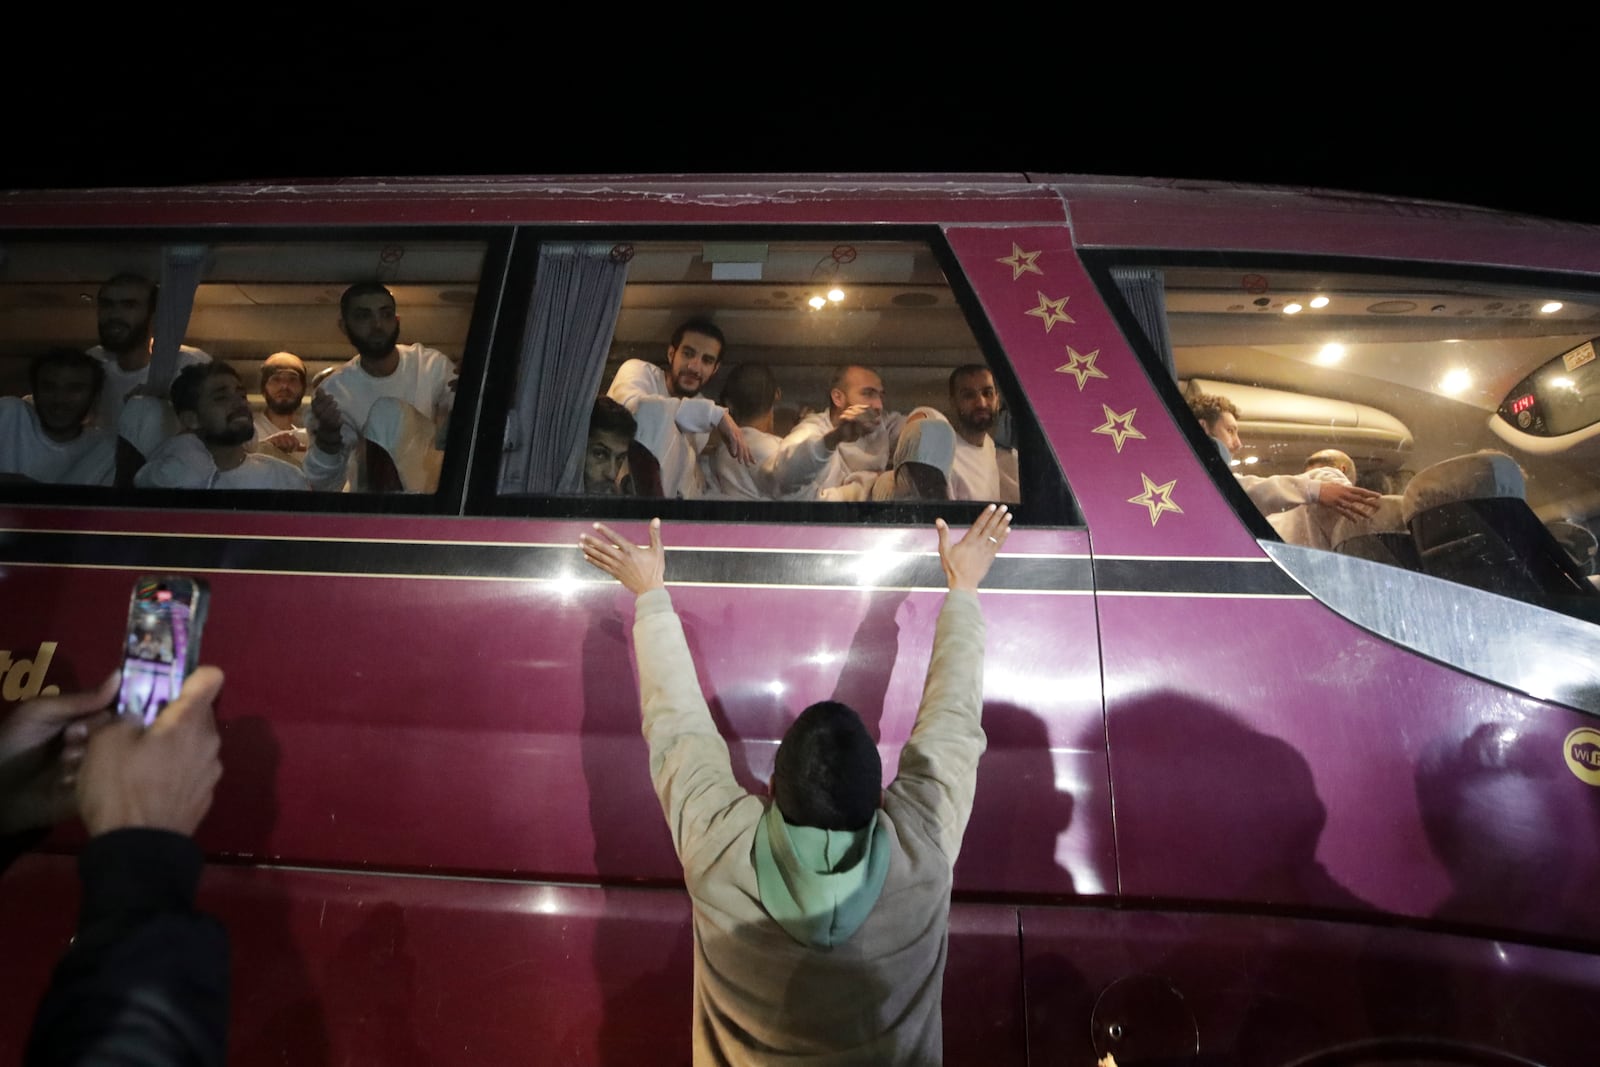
(378, 422)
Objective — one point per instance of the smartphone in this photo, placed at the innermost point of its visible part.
(162, 645)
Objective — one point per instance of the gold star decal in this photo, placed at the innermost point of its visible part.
(1021, 262)
(1157, 498)
(1113, 421)
(1082, 367)
(1051, 311)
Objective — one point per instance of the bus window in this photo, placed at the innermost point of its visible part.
(207, 353)
(1470, 409)
(846, 370)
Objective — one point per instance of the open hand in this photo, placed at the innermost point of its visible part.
(968, 560)
(855, 422)
(284, 441)
(1351, 501)
(735, 440)
(325, 409)
(640, 568)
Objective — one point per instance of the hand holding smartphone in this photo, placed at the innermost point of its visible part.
(162, 644)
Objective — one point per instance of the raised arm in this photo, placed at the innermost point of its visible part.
(689, 763)
(968, 560)
(635, 381)
(788, 466)
(939, 765)
(327, 459)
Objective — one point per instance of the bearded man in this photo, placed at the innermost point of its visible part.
(125, 309)
(214, 410)
(980, 470)
(411, 374)
(280, 427)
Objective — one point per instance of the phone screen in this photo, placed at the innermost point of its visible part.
(162, 643)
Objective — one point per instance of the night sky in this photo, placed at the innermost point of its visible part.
(1275, 105)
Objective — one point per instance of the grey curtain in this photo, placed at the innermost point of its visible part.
(181, 269)
(1146, 294)
(577, 295)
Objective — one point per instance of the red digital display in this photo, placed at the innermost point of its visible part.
(1521, 404)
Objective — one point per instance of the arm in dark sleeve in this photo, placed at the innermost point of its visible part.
(145, 980)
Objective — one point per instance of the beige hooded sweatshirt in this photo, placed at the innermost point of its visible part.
(760, 994)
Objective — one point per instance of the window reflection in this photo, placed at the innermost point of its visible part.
(782, 371)
(1397, 387)
(297, 327)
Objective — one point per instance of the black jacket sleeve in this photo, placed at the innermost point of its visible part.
(145, 981)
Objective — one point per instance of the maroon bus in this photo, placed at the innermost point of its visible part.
(1247, 799)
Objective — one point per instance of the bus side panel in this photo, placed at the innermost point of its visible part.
(451, 720)
(333, 967)
(1204, 988)
(1339, 771)
(460, 718)
(1375, 769)
(1133, 473)
(391, 722)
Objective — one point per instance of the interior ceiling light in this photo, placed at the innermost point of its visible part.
(827, 272)
(1562, 383)
(1456, 381)
(1552, 307)
(1330, 353)
(1292, 308)
(1248, 460)
(1319, 301)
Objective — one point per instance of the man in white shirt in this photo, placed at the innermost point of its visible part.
(854, 386)
(47, 439)
(980, 470)
(280, 428)
(1219, 417)
(675, 421)
(1309, 524)
(214, 410)
(125, 308)
(919, 469)
(412, 374)
(782, 467)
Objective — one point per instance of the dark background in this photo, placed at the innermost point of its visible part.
(1384, 104)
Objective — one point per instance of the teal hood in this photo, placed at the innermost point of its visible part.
(819, 885)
